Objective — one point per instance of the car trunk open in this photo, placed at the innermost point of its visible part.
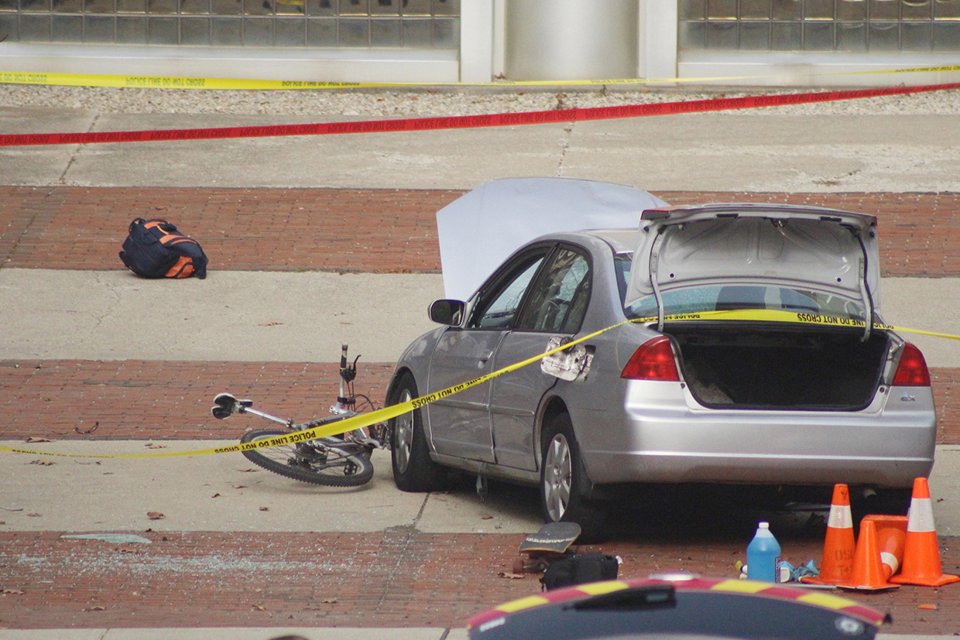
(730, 365)
(826, 250)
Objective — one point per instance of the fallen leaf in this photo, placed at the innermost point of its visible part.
(31, 439)
(328, 601)
(259, 607)
(216, 495)
(11, 592)
(928, 606)
(247, 470)
(33, 515)
(96, 607)
(272, 323)
(151, 445)
(510, 575)
(487, 517)
(43, 463)
(264, 508)
(155, 515)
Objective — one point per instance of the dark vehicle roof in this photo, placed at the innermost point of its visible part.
(697, 606)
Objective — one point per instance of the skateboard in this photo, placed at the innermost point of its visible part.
(538, 549)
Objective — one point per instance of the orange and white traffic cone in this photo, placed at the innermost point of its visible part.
(868, 570)
(891, 535)
(838, 545)
(891, 542)
(921, 551)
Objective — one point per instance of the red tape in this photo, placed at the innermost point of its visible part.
(465, 122)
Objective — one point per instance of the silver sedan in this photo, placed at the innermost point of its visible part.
(733, 349)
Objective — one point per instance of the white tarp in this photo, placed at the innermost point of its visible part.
(479, 230)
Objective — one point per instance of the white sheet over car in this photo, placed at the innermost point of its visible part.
(479, 230)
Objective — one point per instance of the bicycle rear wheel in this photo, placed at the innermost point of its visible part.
(326, 461)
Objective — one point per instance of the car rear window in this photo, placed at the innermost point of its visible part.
(737, 296)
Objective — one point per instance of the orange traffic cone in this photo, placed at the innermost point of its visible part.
(891, 542)
(891, 534)
(868, 570)
(921, 552)
(838, 545)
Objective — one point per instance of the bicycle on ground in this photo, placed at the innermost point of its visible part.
(335, 461)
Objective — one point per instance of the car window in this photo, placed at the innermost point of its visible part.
(499, 305)
(728, 298)
(558, 299)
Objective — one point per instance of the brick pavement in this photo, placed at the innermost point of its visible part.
(138, 399)
(373, 230)
(398, 577)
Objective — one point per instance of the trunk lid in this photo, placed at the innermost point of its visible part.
(757, 245)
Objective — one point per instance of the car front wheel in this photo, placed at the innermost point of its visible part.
(563, 481)
(413, 470)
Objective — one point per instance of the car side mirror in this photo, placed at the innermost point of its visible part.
(448, 312)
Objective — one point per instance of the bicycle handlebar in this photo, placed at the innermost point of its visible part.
(226, 404)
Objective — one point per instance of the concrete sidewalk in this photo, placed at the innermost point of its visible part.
(247, 316)
(34, 498)
(732, 151)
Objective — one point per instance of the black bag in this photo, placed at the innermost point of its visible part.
(580, 568)
(156, 249)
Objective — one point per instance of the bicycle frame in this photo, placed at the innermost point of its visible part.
(345, 407)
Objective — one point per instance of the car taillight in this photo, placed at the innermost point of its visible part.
(653, 360)
(912, 370)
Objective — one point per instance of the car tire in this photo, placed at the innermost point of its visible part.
(413, 470)
(564, 486)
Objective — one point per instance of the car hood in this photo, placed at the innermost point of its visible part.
(479, 230)
(786, 245)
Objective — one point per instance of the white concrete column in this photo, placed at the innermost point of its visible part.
(571, 39)
(476, 40)
(658, 39)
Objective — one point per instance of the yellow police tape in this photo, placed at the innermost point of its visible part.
(241, 84)
(388, 413)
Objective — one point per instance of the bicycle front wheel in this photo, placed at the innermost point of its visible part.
(326, 461)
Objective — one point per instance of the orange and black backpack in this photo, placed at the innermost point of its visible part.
(156, 249)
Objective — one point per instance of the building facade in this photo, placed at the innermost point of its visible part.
(766, 42)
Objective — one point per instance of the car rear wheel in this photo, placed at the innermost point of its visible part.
(563, 481)
(413, 470)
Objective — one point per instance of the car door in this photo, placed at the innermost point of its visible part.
(554, 306)
(460, 425)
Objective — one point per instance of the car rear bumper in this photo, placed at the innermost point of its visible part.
(670, 440)
(684, 467)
